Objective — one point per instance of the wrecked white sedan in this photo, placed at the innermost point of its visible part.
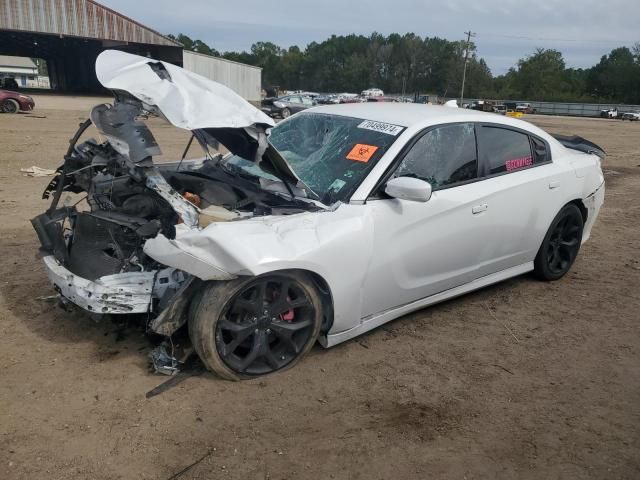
(331, 223)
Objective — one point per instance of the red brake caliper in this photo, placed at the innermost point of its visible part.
(287, 316)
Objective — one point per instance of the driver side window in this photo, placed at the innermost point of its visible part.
(443, 156)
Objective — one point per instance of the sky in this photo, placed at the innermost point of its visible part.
(506, 30)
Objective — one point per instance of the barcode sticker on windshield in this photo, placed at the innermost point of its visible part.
(381, 127)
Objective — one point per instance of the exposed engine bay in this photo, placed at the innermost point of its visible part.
(94, 249)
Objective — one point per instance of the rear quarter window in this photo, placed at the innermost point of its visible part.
(540, 151)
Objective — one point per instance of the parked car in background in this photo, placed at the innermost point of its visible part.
(383, 99)
(609, 113)
(525, 108)
(327, 99)
(501, 109)
(286, 106)
(372, 92)
(632, 116)
(483, 106)
(350, 98)
(14, 102)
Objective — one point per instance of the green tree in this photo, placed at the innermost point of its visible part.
(194, 45)
(616, 77)
(541, 75)
(434, 65)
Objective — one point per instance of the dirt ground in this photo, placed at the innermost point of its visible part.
(522, 380)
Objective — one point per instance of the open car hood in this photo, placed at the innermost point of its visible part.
(192, 102)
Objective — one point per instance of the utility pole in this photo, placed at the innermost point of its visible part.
(469, 34)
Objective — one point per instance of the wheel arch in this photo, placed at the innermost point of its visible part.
(14, 102)
(581, 206)
(323, 287)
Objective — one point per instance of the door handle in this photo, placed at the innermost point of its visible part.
(479, 208)
(553, 185)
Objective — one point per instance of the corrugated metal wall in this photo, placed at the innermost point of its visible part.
(77, 18)
(245, 80)
(568, 108)
(580, 109)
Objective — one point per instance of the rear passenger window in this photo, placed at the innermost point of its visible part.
(503, 150)
(442, 156)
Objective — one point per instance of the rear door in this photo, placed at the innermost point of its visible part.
(521, 186)
(307, 102)
(295, 104)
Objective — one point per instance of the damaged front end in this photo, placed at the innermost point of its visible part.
(94, 250)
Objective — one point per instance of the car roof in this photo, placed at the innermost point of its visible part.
(411, 114)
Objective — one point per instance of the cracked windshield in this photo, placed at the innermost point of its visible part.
(332, 154)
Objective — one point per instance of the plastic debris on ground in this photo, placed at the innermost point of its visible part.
(37, 172)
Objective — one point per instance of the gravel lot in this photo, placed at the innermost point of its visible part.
(520, 380)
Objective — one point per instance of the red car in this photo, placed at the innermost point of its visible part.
(14, 102)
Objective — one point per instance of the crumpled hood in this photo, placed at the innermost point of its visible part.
(186, 99)
(190, 101)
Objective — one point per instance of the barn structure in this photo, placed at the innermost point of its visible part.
(70, 34)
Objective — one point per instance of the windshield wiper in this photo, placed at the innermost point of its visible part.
(283, 176)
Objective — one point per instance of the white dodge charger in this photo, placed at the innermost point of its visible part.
(331, 223)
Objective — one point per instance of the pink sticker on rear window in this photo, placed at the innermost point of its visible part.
(518, 163)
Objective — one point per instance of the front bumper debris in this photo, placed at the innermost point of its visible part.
(120, 293)
(162, 362)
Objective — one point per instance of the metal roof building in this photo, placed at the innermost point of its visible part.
(77, 18)
(70, 34)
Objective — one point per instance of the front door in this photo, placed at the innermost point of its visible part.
(421, 249)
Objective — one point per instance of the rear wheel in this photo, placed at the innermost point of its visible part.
(286, 113)
(247, 328)
(561, 244)
(10, 106)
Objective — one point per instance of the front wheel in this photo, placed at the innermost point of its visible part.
(561, 244)
(246, 328)
(9, 106)
(286, 113)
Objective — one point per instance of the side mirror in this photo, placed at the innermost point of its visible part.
(408, 188)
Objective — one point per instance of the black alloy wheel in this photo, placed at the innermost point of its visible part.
(561, 244)
(265, 325)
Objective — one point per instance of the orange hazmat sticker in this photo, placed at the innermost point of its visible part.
(362, 153)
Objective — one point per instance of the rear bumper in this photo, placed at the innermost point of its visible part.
(119, 293)
(271, 111)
